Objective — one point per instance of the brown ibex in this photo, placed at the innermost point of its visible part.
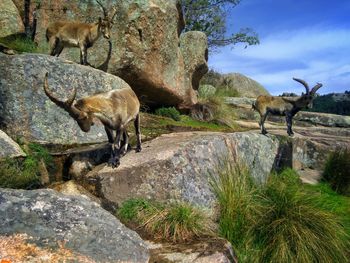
(63, 34)
(115, 109)
(284, 106)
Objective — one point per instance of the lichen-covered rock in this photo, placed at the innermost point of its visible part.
(81, 225)
(26, 111)
(145, 48)
(178, 166)
(10, 20)
(9, 148)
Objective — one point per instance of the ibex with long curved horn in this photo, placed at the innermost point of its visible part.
(115, 109)
(63, 34)
(284, 106)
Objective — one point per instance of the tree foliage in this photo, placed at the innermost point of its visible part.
(209, 16)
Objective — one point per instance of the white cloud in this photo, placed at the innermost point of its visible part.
(314, 54)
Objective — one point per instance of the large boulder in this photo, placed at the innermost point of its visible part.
(324, 119)
(245, 86)
(26, 111)
(82, 226)
(147, 50)
(9, 148)
(10, 20)
(178, 166)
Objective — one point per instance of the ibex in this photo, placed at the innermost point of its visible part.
(284, 106)
(63, 34)
(115, 109)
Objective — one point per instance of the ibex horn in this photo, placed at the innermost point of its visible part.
(304, 83)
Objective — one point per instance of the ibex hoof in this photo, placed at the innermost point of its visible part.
(113, 162)
(264, 132)
(138, 149)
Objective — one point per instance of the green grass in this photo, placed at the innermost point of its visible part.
(283, 221)
(24, 174)
(337, 171)
(19, 43)
(170, 112)
(177, 222)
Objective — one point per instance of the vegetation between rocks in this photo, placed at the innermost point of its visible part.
(20, 43)
(280, 222)
(337, 171)
(176, 222)
(25, 173)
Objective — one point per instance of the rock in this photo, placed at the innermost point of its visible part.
(179, 166)
(245, 86)
(73, 188)
(240, 102)
(324, 119)
(147, 50)
(9, 148)
(203, 251)
(26, 111)
(83, 226)
(10, 20)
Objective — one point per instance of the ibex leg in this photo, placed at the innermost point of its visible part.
(53, 45)
(138, 133)
(124, 145)
(115, 144)
(289, 120)
(262, 122)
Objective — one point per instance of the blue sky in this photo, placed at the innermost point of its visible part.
(308, 39)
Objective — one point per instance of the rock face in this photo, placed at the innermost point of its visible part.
(86, 228)
(9, 148)
(147, 50)
(10, 20)
(324, 119)
(179, 166)
(26, 111)
(245, 86)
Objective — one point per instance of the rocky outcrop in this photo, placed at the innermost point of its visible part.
(324, 119)
(179, 166)
(26, 111)
(9, 148)
(82, 226)
(10, 20)
(245, 86)
(147, 50)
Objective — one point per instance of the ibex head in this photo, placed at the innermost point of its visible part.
(107, 22)
(306, 99)
(84, 120)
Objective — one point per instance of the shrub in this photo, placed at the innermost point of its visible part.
(176, 222)
(170, 112)
(337, 171)
(19, 43)
(290, 227)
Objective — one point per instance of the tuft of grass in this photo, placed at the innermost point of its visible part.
(19, 43)
(24, 174)
(177, 222)
(291, 227)
(337, 171)
(278, 222)
(170, 112)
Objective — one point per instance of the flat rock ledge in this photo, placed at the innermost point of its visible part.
(83, 226)
(180, 167)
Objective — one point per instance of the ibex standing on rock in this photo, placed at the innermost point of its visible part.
(115, 109)
(63, 34)
(284, 106)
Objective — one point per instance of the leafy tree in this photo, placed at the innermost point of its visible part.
(209, 16)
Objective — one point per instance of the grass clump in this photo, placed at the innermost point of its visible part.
(291, 227)
(19, 43)
(337, 171)
(170, 112)
(24, 174)
(278, 222)
(177, 222)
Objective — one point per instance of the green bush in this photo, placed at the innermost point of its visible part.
(170, 112)
(19, 43)
(337, 171)
(177, 222)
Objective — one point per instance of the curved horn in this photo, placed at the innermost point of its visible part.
(304, 83)
(105, 13)
(66, 105)
(114, 14)
(314, 89)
